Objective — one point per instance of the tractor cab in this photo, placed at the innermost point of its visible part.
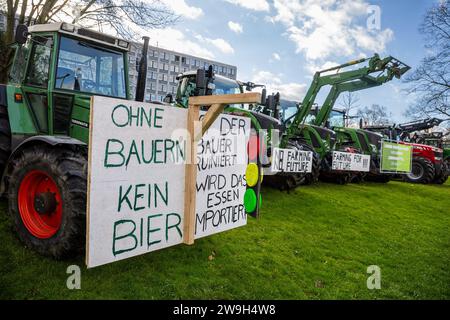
(44, 127)
(57, 68)
(216, 85)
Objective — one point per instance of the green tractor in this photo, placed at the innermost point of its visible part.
(264, 124)
(44, 127)
(319, 132)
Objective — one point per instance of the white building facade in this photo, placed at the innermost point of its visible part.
(163, 67)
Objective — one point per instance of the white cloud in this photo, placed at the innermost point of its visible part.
(235, 27)
(257, 5)
(176, 40)
(276, 56)
(180, 7)
(290, 91)
(321, 29)
(219, 43)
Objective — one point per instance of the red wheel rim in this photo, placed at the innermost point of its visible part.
(42, 225)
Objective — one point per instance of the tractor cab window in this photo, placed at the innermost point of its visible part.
(89, 68)
(336, 119)
(38, 70)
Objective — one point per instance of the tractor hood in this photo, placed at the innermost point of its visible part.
(423, 147)
(264, 121)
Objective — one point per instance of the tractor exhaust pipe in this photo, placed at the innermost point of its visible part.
(142, 72)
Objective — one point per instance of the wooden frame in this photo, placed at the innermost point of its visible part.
(216, 104)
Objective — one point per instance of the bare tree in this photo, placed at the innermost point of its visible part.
(349, 102)
(118, 15)
(374, 115)
(431, 80)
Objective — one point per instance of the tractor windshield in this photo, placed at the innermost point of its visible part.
(90, 68)
(226, 86)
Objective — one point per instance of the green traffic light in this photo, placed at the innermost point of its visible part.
(250, 200)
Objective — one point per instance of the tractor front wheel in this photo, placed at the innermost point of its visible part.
(423, 171)
(47, 199)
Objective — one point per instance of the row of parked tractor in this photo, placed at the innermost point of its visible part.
(45, 120)
(321, 129)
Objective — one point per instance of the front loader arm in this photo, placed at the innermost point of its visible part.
(387, 72)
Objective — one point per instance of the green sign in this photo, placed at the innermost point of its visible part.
(396, 157)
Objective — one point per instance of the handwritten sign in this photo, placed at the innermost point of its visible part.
(346, 161)
(137, 157)
(222, 160)
(291, 160)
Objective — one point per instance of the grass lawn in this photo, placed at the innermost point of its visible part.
(314, 243)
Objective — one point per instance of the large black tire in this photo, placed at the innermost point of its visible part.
(423, 171)
(442, 177)
(67, 168)
(286, 181)
(5, 138)
(313, 177)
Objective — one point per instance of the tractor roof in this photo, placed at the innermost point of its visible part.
(79, 32)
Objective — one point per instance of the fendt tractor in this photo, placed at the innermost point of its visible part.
(44, 127)
(316, 131)
(205, 82)
(428, 163)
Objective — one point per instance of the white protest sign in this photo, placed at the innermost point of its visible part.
(346, 161)
(136, 178)
(222, 160)
(291, 160)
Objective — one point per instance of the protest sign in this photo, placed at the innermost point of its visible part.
(346, 161)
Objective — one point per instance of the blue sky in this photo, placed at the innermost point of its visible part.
(282, 42)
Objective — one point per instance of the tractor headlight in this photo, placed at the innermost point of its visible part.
(67, 27)
(123, 44)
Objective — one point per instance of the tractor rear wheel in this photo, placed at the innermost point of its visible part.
(442, 177)
(47, 199)
(5, 138)
(423, 171)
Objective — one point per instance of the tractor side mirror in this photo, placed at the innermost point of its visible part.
(168, 98)
(270, 102)
(276, 104)
(200, 82)
(21, 34)
(263, 96)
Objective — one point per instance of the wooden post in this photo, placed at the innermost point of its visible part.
(216, 105)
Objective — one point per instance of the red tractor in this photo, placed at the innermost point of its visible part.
(428, 165)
